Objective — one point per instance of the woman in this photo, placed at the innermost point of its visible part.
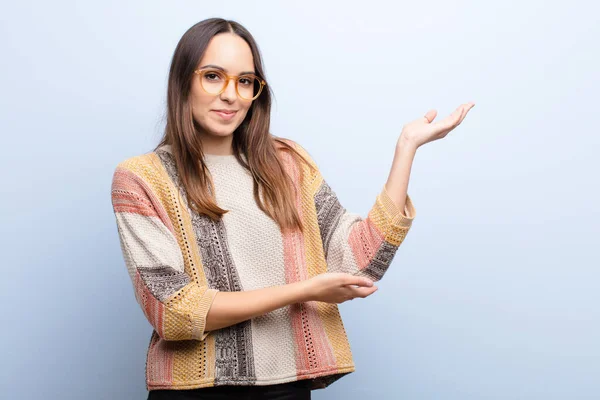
(238, 249)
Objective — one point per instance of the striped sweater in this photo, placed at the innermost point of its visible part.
(178, 260)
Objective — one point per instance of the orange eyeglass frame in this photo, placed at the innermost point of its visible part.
(262, 82)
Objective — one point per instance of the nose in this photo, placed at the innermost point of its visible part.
(229, 93)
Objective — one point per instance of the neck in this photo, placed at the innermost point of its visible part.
(217, 145)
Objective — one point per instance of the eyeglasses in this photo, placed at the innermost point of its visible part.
(247, 86)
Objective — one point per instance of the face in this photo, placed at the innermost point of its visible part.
(233, 55)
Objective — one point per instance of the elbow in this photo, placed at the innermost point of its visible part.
(175, 325)
(180, 318)
(182, 331)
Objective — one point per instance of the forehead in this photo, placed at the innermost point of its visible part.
(230, 52)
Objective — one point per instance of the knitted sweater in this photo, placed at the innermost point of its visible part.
(178, 260)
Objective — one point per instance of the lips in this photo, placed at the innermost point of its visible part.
(227, 112)
(225, 115)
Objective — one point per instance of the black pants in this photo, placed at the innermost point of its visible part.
(285, 391)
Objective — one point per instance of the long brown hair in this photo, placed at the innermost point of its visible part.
(252, 138)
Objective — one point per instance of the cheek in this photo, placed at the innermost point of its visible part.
(200, 106)
(242, 113)
(202, 103)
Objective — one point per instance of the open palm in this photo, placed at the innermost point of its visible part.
(424, 130)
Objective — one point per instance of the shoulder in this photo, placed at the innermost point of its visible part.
(137, 162)
(145, 163)
(139, 170)
(289, 142)
(307, 158)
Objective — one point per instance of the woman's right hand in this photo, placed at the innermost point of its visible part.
(338, 287)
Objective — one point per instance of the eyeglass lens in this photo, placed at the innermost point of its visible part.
(213, 82)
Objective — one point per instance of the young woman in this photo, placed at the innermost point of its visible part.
(238, 249)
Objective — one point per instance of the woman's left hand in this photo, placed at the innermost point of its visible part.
(423, 130)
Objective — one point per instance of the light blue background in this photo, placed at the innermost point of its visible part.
(494, 293)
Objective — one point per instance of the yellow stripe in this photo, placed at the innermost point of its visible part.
(388, 219)
(316, 264)
(190, 363)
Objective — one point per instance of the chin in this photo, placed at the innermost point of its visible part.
(222, 130)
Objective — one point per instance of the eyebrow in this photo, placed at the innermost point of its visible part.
(224, 70)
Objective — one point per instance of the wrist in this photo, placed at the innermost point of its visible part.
(303, 291)
(406, 145)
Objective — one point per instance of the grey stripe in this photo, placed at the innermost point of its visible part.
(329, 213)
(163, 281)
(234, 363)
(233, 345)
(380, 262)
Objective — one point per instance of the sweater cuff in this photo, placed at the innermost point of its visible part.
(398, 217)
(199, 318)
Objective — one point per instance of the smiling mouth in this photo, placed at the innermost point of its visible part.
(226, 115)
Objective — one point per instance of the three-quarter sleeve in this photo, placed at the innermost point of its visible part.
(352, 243)
(175, 305)
(357, 245)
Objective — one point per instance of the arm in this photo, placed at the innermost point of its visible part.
(415, 134)
(357, 245)
(178, 307)
(233, 307)
(174, 303)
(397, 182)
(230, 308)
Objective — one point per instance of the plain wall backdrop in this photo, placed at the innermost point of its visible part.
(494, 293)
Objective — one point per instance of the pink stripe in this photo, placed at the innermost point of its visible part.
(153, 309)
(364, 240)
(313, 348)
(160, 362)
(131, 194)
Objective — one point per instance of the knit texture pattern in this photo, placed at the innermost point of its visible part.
(179, 260)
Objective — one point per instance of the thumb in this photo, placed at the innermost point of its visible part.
(359, 281)
(363, 291)
(430, 116)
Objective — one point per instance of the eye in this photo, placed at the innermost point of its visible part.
(247, 80)
(212, 76)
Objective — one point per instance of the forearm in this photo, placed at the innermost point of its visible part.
(230, 308)
(397, 182)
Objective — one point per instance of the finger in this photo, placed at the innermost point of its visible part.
(363, 291)
(453, 120)
(450, 121)
(358, 281)
(463, 113)
(467, 107)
